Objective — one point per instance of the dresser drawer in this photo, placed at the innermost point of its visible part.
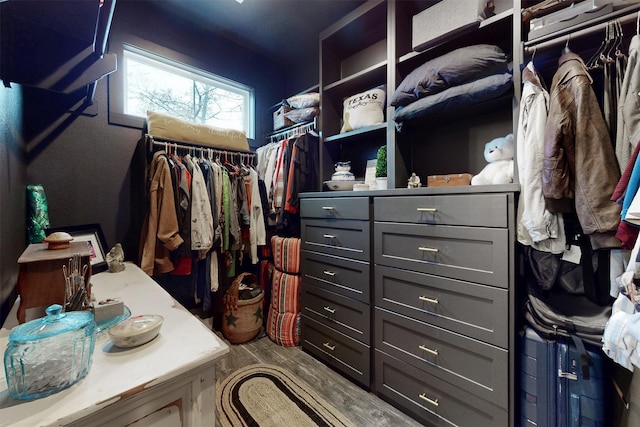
(468, 253)
(343, 314)
(340, 275)
(345, 354)
(467, 363)
(484, 210)
(346, 238)
(335, 208)
(435, 402)
(471, 309)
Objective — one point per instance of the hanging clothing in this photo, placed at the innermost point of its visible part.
(160, 232)
(201, 217)
(257, 231)
(580, 167)
(628, 132)
(303, 171)
(536, 226)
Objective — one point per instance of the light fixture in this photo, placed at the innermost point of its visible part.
(240, 1)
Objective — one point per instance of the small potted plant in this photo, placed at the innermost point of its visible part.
(381, 168)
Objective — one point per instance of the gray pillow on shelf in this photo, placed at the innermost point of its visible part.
(453, 98)
(453, 68)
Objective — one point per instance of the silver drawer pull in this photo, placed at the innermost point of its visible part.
(328, 208)
(329, 346)
(427, 299)
(329, 273)
(329, 309)
(428, 350)
(424, 249)
(431, 401)
(328, 236)
(426, 209)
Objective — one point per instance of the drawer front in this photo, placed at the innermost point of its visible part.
(345, 354)
(467, 253)
(474, 310)
(335, 208)
(435, 402)
(483, 210)
(469, 364)
(343, 314)
(343, 276)
(346, 238)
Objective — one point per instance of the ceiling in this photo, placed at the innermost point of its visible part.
(280, 29)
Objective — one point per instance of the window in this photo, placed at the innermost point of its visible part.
(152, 82)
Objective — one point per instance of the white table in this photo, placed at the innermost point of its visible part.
(168, 381)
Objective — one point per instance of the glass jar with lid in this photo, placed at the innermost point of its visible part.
(47, 355)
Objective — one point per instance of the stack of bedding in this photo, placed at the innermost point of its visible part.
(460, 78)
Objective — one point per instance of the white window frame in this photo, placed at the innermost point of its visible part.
(146, 50)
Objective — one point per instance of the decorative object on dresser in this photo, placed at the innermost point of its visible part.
(414, 181)
(47, 355)
(90, 235)
(449, 180)
(499, 154)
(42, 281)
(136, 331)
(381, 168)
(284, 399)
(115, 259)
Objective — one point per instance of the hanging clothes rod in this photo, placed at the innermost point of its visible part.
(295, 131)
(625, 19)
(168, 143)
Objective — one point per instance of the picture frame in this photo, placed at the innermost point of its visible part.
(93, 235)
(370, 173)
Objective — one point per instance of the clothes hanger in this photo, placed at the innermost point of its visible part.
(566, 48)
(594, 62)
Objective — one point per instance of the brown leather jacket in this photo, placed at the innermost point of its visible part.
(580, 166)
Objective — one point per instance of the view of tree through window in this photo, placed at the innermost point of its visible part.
(185, 92)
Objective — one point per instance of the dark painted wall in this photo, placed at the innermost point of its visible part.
(83, 161)
(13, 179)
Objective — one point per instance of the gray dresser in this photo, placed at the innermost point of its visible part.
(336, 274)
(441, 293)
(443, 272)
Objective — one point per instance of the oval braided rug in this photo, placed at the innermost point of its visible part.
(266, 395)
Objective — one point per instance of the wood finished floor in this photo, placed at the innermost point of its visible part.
(360, 406)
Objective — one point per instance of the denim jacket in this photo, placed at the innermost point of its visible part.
(580, 165)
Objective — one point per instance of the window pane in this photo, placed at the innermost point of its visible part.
(184, 92)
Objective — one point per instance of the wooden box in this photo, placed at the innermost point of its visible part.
(449, 180)
(279, 119)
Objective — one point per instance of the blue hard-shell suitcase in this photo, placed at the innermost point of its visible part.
(537, 381)
(557, 389)
(581, 391)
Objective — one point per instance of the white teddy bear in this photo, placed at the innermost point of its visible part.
(499, 155)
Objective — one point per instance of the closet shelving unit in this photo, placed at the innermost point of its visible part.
(418, 253)
(353, 59)
(444, 265)
(371, 47)
(288, 131)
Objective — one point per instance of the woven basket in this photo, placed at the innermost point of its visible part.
(242, 319)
